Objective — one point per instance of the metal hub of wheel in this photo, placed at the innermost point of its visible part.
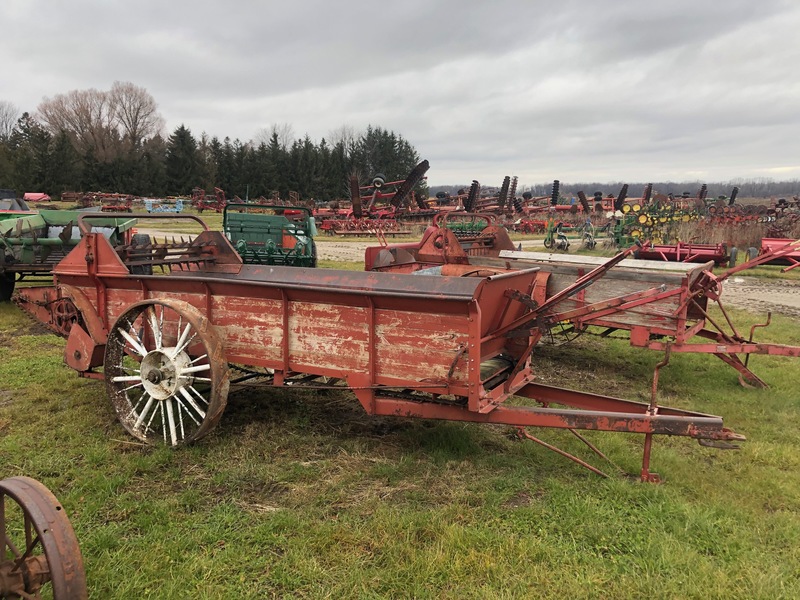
(39, 553)
(166, 373)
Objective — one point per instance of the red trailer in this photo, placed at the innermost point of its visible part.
(444, 347)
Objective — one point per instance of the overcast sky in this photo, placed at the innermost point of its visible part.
(577, 90)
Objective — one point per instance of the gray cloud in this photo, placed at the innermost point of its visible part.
(579, 90)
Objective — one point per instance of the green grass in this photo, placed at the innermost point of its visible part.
(298, 494)
(772, 272)
(340, 264)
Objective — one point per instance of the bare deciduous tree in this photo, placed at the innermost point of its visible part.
(135, 111)
(87, 117)
(284, 131)
(346, 135)
(9, 114)
(99, 121)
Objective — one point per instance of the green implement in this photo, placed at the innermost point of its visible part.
(266, 234)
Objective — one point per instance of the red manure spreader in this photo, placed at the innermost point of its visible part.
(165, 324)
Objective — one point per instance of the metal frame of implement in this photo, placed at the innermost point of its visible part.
(453, 348)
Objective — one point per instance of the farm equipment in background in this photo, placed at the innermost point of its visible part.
(771, 247)
(783, 219)
(202, 201)
(166, 342)
(12, 207)
(558, 235)
(107, 201)
(39, 553)
(31, 245)
(152, 205)
(452, 239)
(376, 207)
(266, 234)
(365, 199)
(688, 252)
(117, 205)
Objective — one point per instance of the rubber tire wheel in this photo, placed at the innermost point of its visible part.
(752, 253)
(734, 254)
(141, 239)
(7, 283)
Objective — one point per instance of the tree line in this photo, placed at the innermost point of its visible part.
(114, 141)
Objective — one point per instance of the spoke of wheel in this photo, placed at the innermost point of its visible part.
(12, 546)
(198, 394)
(186, 344)
(138, 333)
(154, 326)
(134, 386)
(152, 416)
(28, 550)
(198, 358)
(183, 341)
(125, 378)
(193, 404)
(134, 343)
(142, 414)
(196, 369)
(178, 406)
(173, 436)
(163, 421)
(138, 402)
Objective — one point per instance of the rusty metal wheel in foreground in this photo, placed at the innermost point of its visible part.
(39, 554)
(166, 372)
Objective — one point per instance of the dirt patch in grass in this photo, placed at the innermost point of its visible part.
(779, 296)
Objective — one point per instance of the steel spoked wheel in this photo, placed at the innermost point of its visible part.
(39, 553)
(166, 372)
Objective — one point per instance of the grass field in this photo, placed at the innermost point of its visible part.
(298, 494)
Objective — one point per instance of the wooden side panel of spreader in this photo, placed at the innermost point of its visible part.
(665, 316)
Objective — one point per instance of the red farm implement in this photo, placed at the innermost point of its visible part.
(108, 202)
(685, 252)
(202, 201)
(376, 207)
(443, 347)
(664, 306)
(772, 247)
(379, 224)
